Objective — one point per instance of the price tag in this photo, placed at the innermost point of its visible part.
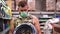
(45, 16)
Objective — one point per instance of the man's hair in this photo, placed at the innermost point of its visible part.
(22, 3)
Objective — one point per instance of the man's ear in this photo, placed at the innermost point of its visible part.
(19, 8)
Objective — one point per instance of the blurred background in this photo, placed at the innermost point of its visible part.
(43, 9)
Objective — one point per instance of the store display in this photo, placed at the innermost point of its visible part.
(6, 11)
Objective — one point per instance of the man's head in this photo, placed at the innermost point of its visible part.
(22, 6)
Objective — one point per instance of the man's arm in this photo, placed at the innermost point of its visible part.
(36, 24)
(11, 26)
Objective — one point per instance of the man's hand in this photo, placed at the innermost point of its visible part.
(11, 25)
(55, 25)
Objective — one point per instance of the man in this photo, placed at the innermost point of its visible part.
(22, 7)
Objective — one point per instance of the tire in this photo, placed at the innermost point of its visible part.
(26, 28)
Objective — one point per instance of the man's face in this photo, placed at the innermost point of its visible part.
(25, 8)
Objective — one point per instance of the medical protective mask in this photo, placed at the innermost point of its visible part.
(23, 14)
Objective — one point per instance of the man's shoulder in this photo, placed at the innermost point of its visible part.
(33, 16)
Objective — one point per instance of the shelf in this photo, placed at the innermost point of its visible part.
(57, 12)
(45, 17)
(47, 12)
(41, 27)
(15, 13)
(43, 12)
(34, 13)
(42, 23)
(4, 17)
(43, 20)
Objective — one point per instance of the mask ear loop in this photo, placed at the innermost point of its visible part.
(27, 12)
